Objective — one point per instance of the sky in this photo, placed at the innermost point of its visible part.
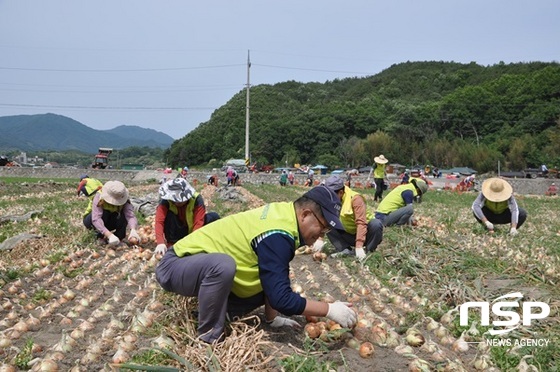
(168, 65)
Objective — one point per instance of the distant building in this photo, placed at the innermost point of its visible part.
(132, 166)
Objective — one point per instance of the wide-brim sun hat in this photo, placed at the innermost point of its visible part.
(496, 189)
(380, 159)
(114, 192)
(177, 190)
(422, 185)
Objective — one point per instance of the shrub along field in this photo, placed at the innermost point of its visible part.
(69, 304)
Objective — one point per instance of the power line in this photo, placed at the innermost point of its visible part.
(119, 70)
(109, 107)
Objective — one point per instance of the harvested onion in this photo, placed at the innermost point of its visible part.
(366, 349)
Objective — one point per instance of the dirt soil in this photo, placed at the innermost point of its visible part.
(97, 306)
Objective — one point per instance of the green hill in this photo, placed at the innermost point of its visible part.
(443, 113)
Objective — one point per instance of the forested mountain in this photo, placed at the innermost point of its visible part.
(59, 133)
(442, 113)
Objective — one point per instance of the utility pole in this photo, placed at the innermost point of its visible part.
(247, 160)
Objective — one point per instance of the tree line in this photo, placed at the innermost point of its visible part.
(442, 113)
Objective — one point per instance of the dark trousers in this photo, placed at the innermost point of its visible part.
(379, 184)
(503, 218)
(209, 277)
(343, 240)
(174, 229)
(112, 221)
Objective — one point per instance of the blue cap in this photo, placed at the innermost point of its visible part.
(83, 176)
(330, 205)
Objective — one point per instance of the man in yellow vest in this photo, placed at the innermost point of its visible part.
(180, 212)
(241, 262)
(396, 208)
(379, 174)
(362, 233)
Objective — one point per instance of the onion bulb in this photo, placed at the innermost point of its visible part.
(415, 339)
(312, 330)
(353, 343)
(460, 345)
(69, 295)
(366, 349)
(33, 323)
(481, 364)
(163, 342)
(419, 365)
(121, 356)
(46, 365)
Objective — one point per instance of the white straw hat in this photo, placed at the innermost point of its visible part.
(496, 189)
(114, 192)
(380, 159)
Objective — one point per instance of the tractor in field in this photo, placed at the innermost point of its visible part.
(101, 159)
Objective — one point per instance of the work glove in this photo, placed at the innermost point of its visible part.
(513, 231)
(318, 245)
(341, 313)
(134, 235)
(489, 225)
(160, 249)
(113, 240)
(280, 321)
(360, 253)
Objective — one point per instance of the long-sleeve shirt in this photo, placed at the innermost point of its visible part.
(97, 215)
(359, 208)
(162, 210)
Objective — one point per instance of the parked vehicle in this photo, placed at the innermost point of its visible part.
(526, 173)
(101, 160)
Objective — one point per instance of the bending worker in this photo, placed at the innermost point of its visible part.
(496, 204)
(88, 186)
(110, 210)
(180, 212)
(361, 230)
(396, 208)
(242, 261)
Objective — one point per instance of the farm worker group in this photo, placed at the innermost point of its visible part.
(242, 261)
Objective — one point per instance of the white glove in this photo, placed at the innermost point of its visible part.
(360, 253)
(489, 225)
(513, 231)
(160, 249)
(134, 235)
(318, 245)
(341, 313)
(113, 240)
(280, 321)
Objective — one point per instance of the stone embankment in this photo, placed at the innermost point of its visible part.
(521, 186)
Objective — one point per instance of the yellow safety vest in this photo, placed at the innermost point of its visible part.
(237, 235)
